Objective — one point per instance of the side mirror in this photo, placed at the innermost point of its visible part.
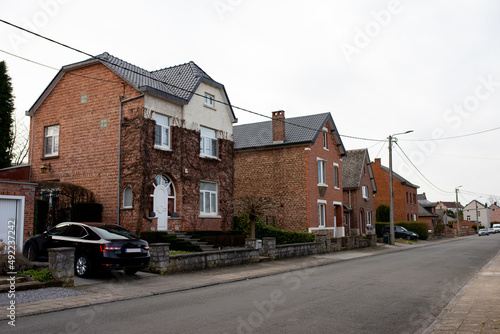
(46, 235)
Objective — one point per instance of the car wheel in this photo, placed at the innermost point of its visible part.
(29, 252)
(130, 272)
(82, 266)
(408, 237)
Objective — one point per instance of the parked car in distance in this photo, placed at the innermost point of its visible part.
(98, 247)
(483, 231)
(496, 227)
(401, 232)
(491, 230)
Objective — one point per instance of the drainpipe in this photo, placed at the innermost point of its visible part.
(120, 152)
(32, 122)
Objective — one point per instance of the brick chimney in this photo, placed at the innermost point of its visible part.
(278, 126)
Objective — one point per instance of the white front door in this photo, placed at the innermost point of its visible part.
(160, 205)
(12, 221)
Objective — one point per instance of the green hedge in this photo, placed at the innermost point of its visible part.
(41, 215)
(177, 244)
(418, 227)
(86, 212)
(262, 230)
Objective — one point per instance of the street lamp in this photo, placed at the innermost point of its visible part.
(458, 214)
(391, 194)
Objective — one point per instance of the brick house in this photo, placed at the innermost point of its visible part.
(141, 141)
(494, 213)
(359, 192)
(405, 193)
(452, 206)
(427, 211)
(296, 162)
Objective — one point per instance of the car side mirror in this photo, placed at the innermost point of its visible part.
(46, 235)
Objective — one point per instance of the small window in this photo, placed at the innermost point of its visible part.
(162, 131)
(209, 100)
(127, 197)
(364, 190)
(208, 142)
(51, 141)
(321, 172)
(325, 140)
(322, 214)
(208, 198)
(336, 175)
(368, 218)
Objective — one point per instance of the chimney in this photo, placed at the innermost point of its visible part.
(278, 126)
(377, 162)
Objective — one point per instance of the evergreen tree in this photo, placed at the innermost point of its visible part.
(6, 117)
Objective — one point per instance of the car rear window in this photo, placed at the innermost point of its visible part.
(114, 233)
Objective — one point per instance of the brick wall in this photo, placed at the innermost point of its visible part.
(354, 198)
(494, 214)
(17, 173)
(28, 191)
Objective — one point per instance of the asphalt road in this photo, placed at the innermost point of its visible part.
(400, 292)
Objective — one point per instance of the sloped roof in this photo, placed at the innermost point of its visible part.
(298, 130)
(423, 212)
(352, 169)
(177, 83)
(399, 177)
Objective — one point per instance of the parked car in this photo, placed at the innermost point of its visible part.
(496, 227)
(491, 230)
(401, 232)
(483, 231)
(98, 247)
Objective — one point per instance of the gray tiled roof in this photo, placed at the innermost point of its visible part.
(399, 177)
(352, 168)
(302, 129)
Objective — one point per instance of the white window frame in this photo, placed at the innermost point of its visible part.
(212, 196)
(208, 142)
(321, 172)
(209, 100)
(321, 214)
(325, 139)
(336, 176)
(127, 198)
(364, 192)
(162, 125)
(368, 218)
(53, 138)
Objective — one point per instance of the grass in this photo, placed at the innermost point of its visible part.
(174, 252)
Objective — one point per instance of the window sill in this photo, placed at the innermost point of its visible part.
(322, 185)
(162, 148)
(209, 107)
(209, 157)
(50, 157)
(209, 216)
(127, 208)
(326, 149)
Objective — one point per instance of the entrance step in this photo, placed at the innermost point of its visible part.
(205, 246)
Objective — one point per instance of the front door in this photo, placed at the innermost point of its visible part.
(163, 201)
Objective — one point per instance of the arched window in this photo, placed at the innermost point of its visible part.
(127, 197)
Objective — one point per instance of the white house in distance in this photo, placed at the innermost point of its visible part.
(477, 212)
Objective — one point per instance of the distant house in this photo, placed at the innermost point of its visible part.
(154, 147)
(477, 212)
(494, 213)
(452, 206)
(405, 193)
(427, 211)
(297, 163)
(359, 192)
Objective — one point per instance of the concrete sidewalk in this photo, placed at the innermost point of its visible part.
(473, 310)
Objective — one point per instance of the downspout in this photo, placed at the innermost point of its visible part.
(120, 152)
(32, 121)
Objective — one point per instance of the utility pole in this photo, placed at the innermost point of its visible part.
(458, 213)
(391, 192)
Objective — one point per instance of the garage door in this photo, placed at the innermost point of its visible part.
(11, 214)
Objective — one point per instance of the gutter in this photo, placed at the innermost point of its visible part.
(120, 152)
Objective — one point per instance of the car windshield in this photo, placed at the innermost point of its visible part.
(114, 232)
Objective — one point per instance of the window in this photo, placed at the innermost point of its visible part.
(322, 214)
(364, 191)
(209, 100)
(368, 218)
(162, 131)
(325, 140)
(321, 172)
(208, 198)
(127, 197)
(336, 175)
(479, 213)
(51, 140)
(468, 218)
(208, 142)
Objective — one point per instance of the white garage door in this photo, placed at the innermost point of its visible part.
(11, 219)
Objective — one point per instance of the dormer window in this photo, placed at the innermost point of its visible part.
(209, 100)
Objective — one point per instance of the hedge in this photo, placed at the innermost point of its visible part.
(418, 227)
(220, 238)
(262, 230)
(86, 212)
(177, 244)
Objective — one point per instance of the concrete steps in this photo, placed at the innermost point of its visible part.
(205, 246)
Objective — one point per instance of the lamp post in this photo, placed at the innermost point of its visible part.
(458, 213)
(391, 194)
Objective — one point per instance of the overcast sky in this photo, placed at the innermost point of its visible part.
(379, 67)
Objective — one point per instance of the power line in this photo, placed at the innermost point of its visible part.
(169, 84)
(455, 137)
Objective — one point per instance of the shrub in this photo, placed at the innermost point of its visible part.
(43, 275)
(86, 212)
(383, 213)
(41, 215)
(262, 230)
(177, 244)
(19, 262)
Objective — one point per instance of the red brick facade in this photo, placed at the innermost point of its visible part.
(289, 176)
(22, 192)
(86, 105)
(405, 194)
